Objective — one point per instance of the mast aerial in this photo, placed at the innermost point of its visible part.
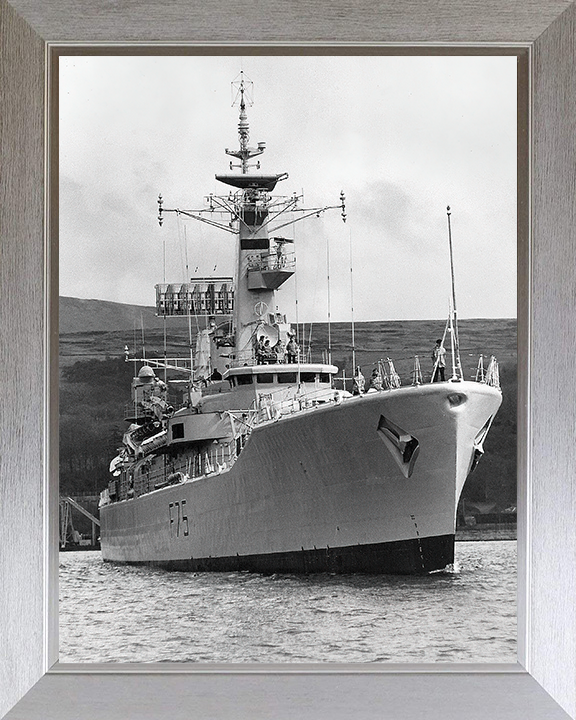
(243, 89)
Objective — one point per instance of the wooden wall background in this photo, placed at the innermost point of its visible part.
(22, 353)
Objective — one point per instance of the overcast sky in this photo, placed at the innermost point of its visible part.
(402, 136)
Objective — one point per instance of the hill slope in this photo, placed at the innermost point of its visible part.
(80, 315)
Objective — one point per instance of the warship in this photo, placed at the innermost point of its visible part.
(266, 465)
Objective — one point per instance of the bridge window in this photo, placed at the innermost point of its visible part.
(287, 377)
(265, 378)
(324, 377)
(244, 379)
(307, 377)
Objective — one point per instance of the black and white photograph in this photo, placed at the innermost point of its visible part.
(288, 358)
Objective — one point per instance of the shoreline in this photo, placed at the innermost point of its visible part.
(489, 531)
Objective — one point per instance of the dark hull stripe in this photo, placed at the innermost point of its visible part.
(403, 557)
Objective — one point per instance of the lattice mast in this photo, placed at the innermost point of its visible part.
(260, 269)
(265, 259)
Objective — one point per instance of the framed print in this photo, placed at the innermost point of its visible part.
(542, 684)
(370, 519)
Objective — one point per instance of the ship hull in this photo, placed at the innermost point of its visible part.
(324, 490)
(401, 557)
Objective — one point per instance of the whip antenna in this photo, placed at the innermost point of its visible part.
(454, 314)
(351, 289)
(328, 298)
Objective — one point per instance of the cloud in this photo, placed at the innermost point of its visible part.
(402, 136)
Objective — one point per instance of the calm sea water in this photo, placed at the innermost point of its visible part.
(114, 613)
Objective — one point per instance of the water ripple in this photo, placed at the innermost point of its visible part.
(134, 614)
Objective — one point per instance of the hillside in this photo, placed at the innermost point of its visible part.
(95, 381)
(78, 315)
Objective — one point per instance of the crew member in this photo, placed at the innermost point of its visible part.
(260, 350)
(279, 351)
(358, 382)
(376, 379)
(292, 349)
(439, 360)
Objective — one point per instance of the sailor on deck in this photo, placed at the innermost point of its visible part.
(439, 360)
(376, 379)
(260, 350)
(292, 349)
(269, 354)
(151, 391)
(279, 350)
(358, 382)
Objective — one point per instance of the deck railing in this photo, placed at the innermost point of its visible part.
(272, 261)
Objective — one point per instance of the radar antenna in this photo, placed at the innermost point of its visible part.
(243, 88)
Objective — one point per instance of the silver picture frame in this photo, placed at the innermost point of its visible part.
(32, 683)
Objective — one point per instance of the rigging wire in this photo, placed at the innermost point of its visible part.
(328, 298)
(165, 349)
(143, 341)
(295, 283)
(309, 355)
(189, 313)
(165, 341)
(201, 234)
(352, 303)
(453, 345)
(134, 336)
(316, 285)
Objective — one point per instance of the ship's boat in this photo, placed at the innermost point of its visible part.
(267, 466)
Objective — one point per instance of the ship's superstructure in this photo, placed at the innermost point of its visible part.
(267, 466)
